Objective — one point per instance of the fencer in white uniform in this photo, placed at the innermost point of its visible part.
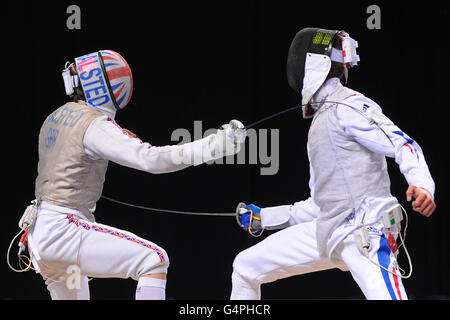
(76, 142)
(341, 224)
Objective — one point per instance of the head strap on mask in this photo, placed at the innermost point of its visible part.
(70, 81)
(348, 54)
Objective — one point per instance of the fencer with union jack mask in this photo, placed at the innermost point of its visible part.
(76, 142)
(350, 221)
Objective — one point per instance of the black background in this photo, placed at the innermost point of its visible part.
(215, 61)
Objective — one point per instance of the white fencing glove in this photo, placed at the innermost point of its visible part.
(227, 141)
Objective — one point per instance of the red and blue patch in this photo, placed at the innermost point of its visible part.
(384, 258)
(115, 233)
(409, 143)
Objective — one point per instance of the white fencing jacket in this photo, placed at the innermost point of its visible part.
(398, 145)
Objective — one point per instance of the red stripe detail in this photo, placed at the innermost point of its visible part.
(410, 148)
(397, 286)
(392, 242)
(119, 73)
(109, 58)
(24, 238)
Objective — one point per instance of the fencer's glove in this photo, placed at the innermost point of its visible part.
(225, 142)
(249, 218)
(228, 139)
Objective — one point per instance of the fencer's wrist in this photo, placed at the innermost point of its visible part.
(223, 143)
(424, 185)
(212, 147)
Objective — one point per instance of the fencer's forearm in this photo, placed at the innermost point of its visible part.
(284, 216)
(273, 218)
(412, 165)
(156, 160)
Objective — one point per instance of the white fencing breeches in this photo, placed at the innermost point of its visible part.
(61, 242)
(293, 251)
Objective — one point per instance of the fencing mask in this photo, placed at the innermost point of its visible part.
(309, 60)
(105, 78)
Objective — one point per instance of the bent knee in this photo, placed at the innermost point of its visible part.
(155, 262)
(243, 266)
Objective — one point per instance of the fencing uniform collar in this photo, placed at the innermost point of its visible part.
(328, 88)
(108, 111)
